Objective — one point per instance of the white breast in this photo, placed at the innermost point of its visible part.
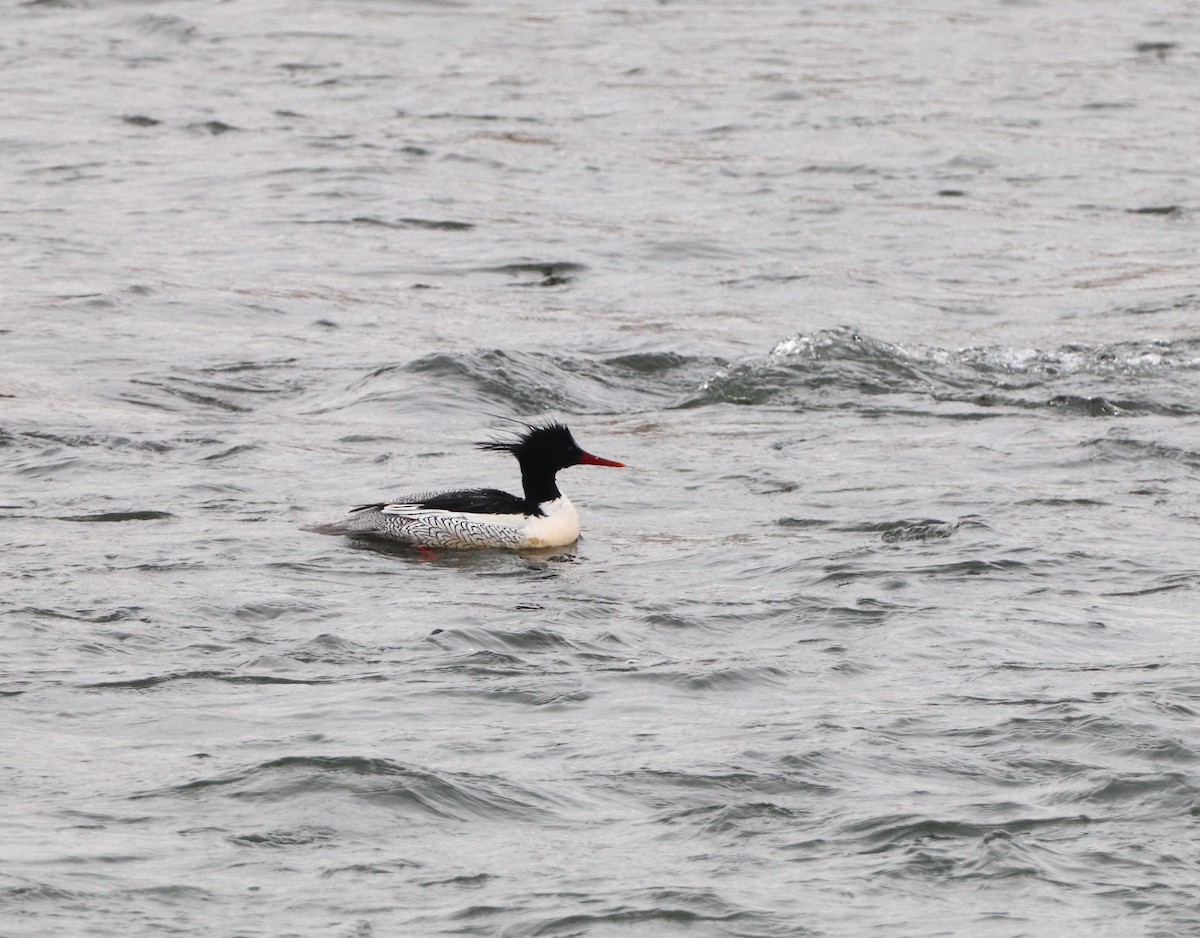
(556, 527)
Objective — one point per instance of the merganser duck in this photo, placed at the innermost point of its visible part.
(464, 518)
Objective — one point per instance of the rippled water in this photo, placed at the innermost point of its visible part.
(890, 626)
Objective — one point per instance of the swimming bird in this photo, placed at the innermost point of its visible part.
(464, 518)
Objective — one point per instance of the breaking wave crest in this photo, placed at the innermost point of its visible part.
(845, 368)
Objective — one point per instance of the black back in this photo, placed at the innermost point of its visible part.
(481, 501)
(477, 501)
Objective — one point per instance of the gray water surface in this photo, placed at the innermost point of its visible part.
(890, 626)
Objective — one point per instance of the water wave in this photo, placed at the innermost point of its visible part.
(236, 387)
(838, 368)
(529, 382)
(405, 789)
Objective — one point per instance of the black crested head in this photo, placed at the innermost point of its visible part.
(549, 447)
(542, 452)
